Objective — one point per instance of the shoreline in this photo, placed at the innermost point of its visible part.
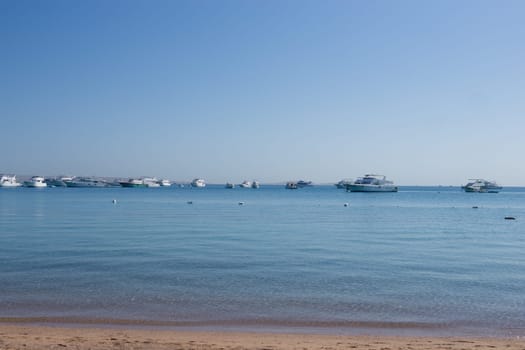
(16, 336)
(313, 327)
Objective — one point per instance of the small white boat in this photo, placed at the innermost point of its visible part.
(9, 181)
(291, 185)
(246, 184)
(371, 183)
(198, 183)
(151, 182)
(255, 184)
(481, 186)
(36, 182)
(165, 183)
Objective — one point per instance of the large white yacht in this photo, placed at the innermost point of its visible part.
(198, 183)
(9, 181)
(482, 186)
(371, 183)
(36, 181)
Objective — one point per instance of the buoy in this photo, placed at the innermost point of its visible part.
(510, 218)
(114, 201)
(346, 204)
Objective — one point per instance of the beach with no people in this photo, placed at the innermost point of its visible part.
(23, 337)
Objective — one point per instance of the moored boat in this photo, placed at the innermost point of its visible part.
(229, 185)
(246, 184)
(343, 183)
(198, 183)
(255, 184)
(80, 182)
(165, 183)
(9, 181)
(481, 186)
(302, 183)
(58, 181)
(132, 183)
(36, 182)
(151, 182)
(371, 183)
(291, 185)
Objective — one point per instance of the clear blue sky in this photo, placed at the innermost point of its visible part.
(425, 92)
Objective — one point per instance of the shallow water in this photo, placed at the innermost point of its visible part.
(422, 260)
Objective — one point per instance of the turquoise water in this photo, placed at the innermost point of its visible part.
(420, 261)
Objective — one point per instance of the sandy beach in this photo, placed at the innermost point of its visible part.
(45, 337)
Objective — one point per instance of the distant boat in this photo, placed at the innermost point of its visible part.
(9, 181)
(36, 182)
(59, 181)
(151, 182)
(291, 185)
(343, 183)
(132, 183)
(165, 183)
(255, 184)
(371, 183)
(481, 186)
(302, 183)
(85, 182)
(229, 185)
(246, 184)
(198, 183)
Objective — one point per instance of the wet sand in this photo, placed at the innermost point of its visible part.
(46, 337)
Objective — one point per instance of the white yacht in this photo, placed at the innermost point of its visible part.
(371, 183)
(198, 183)
(482, 186)
(246, 184)
(36, 181)
(291, 185)
(165, 183)
(151, 182)
(9, 181)
(59, 181)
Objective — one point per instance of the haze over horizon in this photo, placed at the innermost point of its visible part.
(426, 93)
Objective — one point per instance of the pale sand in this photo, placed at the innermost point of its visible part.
(40, 337)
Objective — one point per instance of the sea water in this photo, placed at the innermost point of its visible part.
(425, 260)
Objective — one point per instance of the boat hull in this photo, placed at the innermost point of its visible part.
(10, 185)
(34, 185)
(84, 184)
(129, 184)
(371, 188)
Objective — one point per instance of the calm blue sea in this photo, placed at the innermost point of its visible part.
(420, 261)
